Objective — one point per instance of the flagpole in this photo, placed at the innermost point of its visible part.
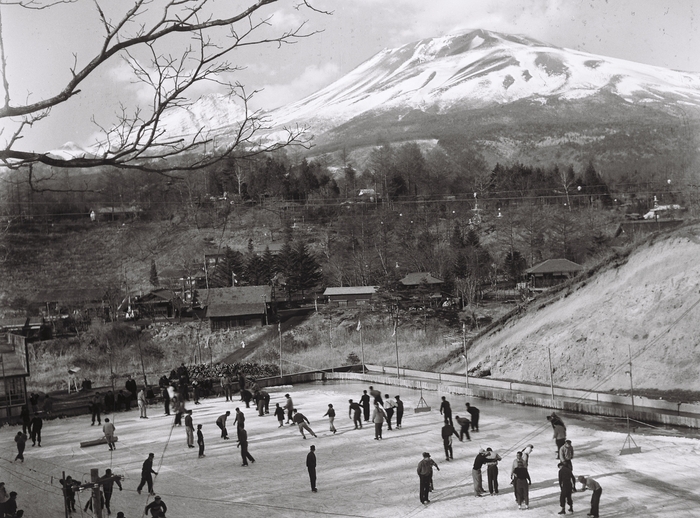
(279, 331)
(362, 345)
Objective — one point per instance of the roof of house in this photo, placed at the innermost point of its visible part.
(13, 322)
(234, 301)
(159, 295)
(416, 278)
(12, 364)
(351, 290)
(555, 266)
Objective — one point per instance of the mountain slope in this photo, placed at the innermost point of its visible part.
(649, 305)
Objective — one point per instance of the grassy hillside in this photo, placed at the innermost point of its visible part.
(647, 303)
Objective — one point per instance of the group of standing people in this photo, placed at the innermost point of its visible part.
(8, 503)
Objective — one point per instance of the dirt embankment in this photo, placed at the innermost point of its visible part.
(649, 305)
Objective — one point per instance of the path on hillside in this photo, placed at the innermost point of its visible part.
(288, 320)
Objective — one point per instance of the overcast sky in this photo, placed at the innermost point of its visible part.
(40, 46)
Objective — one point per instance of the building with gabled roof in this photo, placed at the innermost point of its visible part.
(417, 278)
(350, 295)
(237, 306)
(14, 369)
(552, 272)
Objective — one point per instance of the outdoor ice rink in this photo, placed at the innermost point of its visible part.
(357, 476)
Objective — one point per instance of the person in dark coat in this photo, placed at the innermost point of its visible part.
(289, 405)
(34, 400)
(166, 400)
(121, 402)
(26, 419)
(146, 478)
(243, 445)
(11, 510)
(157, 508)
(447, 432)
(246, 397)
(376, 395)
(364, 401)
(221, 423)
(479, 462)
(200, 440)
(21, 440)
(311, 467)
(69, 486)
(279, 414)
(96, 408)
(463, 423)
(492, 459)
(446, 410)
(37, 425)
(399, 411)
(474, 413)
(109, 402)
(239, 420)
(521, 479)
(303, 423)
(566, 488)
(130, 385)
(354, 412)
(425, 473)
(108, 481)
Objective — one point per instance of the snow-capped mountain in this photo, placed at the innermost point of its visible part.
(478, 69)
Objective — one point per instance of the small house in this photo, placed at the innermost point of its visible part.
(413, 280)
(237, 306)
(14, 369)
(350, 295)
(552, 272)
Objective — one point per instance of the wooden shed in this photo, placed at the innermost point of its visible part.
(350, 295)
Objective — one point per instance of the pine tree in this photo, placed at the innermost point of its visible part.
(154, 274)
(306, 271)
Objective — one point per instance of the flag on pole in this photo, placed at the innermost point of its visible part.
(359, 324)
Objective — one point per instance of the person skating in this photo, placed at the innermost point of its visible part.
(463, 423)
(157, 508)
(446, 410)
(565, 487)
(226, 386)
(146, 472)
(108, 430)
(474, 413)
(376, 395)
(447, 432)
(289, 406)
(200, 440)
(69, 486)
(331, 417)
(492, 459)
(389, 405)
(96, 408)
(302, 422)
(364, 402)
(21, 440)
(189, 429)
(479, 462)
(311, 466)
(566, 454)
(265, 396)
(11, 510)
(239, 420)
(590, 483)
(37, 425)
(243, 445)
(378, 417)
(354, 412)
(399, 411)
(141, 400)
(521, 457)
(425, 474)
(121, 402)
(521, 477)
(26, 420)
(279, 414)
(108, 487)
(179, 407)
(221, 423)
(166, 400)
(132, 389)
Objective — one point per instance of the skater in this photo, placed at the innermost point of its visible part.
(376, 395)
(121, 402)
(289, 405)
(474, 413)
(221, 423)
(389, 405)
(69, 486)
(239, 421)
(131, 389)
(378, 417)
(226, 386)
(265, 398)
(399, 411)
(108, 429)
(10, 507)
(26, 419)
(279, 414)
(179, 409)
(166, 400)
(95, 408)
(446, 410)
(331, 417)
(354, 413)
(447, 432)
(492, 459)
(521, 479)
(589, 483)
(200, 440)
(566, 488)
(21, 440)
(566, 453)
(146, 471)
(157, 508)
(364, 402)
(243, 445)
(141, 400)
(303, 423)
(522, 457)
(108, 487)
(37, 425)
(479, 461)
(559, 436)
(48, 405)
(189, 429)
(109, 402)
(425, 473)
(311, 466)
(463, 423)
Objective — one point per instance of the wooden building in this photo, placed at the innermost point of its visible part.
(552, 272)
(413, 280)
(14, 369)
(350, 295)
(237, 306)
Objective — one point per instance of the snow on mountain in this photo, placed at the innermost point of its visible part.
(209, 113)
(69, 150)
(478, 68)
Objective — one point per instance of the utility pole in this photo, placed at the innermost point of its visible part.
(629, 348)
(396, 340)
(466, 357)
(279, 332)
(551, 380)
